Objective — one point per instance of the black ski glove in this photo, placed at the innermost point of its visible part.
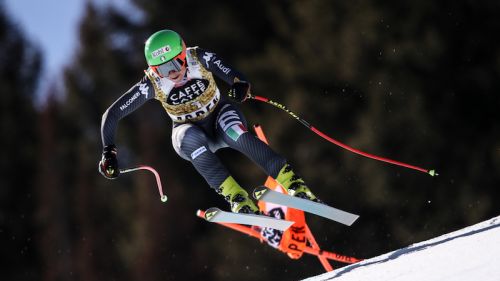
(240, 91)
(108, 166)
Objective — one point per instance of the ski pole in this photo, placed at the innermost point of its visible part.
(163, 197)
(338, 143)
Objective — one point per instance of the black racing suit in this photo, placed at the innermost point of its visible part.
(203, 120)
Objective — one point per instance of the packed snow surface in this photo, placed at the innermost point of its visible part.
(469, 254)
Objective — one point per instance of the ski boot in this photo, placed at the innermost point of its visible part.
(237, 197)
(294, 185)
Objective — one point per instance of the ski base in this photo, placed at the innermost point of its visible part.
(219, 216)
(265, 194)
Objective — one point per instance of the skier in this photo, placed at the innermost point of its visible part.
(203, 120)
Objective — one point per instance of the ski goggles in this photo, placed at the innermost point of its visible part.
(174, 65)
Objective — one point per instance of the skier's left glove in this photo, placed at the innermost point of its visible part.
(240, 91)
(108, 166)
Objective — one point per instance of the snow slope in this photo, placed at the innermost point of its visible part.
(472, 253)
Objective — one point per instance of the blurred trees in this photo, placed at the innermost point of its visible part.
(412, 81)
(20, 63)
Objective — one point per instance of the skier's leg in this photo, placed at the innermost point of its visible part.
(192, 144)
(231, 125)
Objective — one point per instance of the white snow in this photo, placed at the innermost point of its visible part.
(469, 254)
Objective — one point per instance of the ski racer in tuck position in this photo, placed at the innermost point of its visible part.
(204, 121)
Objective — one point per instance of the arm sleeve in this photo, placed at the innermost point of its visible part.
(219, 67)
(134, 98)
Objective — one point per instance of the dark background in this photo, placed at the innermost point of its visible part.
(416, 81)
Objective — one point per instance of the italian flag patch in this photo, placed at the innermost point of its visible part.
(235, 131)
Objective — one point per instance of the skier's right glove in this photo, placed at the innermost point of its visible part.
(108, 166)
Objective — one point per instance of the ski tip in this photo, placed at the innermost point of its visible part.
(259, 192)
(200, 214)
(433, 173)
(211, 213)
(354, 219)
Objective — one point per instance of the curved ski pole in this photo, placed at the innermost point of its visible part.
(163, 197)
(338, 143)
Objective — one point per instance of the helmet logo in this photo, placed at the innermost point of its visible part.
(161, 51)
